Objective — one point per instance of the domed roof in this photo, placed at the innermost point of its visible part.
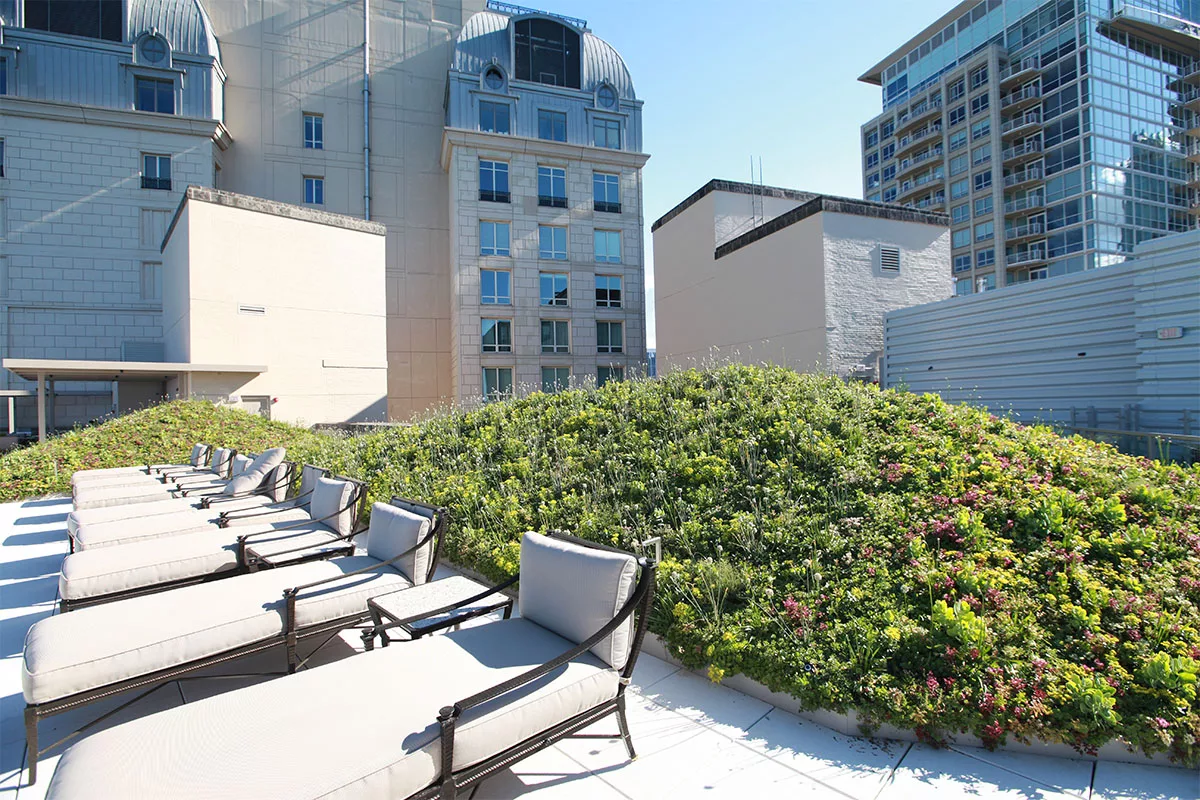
(183, 23)
(485, 39)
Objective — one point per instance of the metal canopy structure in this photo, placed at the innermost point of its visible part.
(41, 370)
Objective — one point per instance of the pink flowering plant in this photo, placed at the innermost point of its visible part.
(930, 566)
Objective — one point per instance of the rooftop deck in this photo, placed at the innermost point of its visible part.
(694, 738)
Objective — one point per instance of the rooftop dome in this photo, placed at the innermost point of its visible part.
(485, 39)
(183, 23)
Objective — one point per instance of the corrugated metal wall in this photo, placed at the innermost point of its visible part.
(1087, 340)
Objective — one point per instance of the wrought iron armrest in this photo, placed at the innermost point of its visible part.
(242, 551)
(488, 592)
(227, 517)
(198, 491)
(269, 508)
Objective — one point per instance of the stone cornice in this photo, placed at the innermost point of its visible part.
(458, 137)
(12, 106)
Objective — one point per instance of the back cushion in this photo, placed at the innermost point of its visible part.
(254, 473)
(240, 463)
(308, 482)
(329, 498)
(199, 451)
(394, 530)
(220, 460)
(575, 591)
(279, 481)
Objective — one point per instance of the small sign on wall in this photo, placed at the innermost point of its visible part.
(1175, 332)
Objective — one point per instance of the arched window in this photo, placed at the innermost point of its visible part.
(547, 52)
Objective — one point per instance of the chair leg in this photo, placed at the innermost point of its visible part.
(31, 743)
(624, 726)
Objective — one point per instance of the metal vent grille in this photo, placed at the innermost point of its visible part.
(257, 311)
(142, 351)
(889, 259)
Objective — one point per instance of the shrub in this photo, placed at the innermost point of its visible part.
(932, 566)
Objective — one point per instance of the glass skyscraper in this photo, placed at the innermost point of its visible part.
(1056, 135)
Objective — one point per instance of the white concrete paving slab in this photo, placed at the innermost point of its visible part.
(693, 738)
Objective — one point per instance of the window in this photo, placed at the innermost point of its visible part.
(606, 192)
(151, 289)
(887, 151)
(961, 238)
(979, 77)
(3, 76)
(314, 132)
(555, 336)
(985, 231)
(871, 139)
(958, 139)
(981, 154)
(493, 117)
(1, 158)
(955, 90)
(983, 206)
(555, 379)
(981, 128)
(889, 173)
(552, 125)
(608, 291)
(958, 165)
(889, 194)
(606, 374)
(314, 190)
(873, 180)
(1038, 273)
(606, 133)
(889, 258)
(980, 104)
(546, 52)
(957, 115)
(497, 335)
(887, 129)
(95, 19)
(552, 242)
(608, 247)
(553, 289)
(959, 189)
(497, 383)
(960, 214)
(493, 239)
(872, 160)
(493, 181)
(610, 337)
(983, 180)
(962, 263)
(154, 95)
(552, 187)
(495, 287)
(962, 287)
(156, 171)
(986, 257)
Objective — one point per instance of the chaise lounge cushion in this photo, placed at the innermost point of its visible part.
(172, 505)
(259, 741)
(128, 494)
(255, 471)
(94, 535)
(97, 646)
(393, 531)
(329, 500)
(575, 594)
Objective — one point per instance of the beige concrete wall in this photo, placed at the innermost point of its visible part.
(763, 302)
(321, 287)
(285, 58)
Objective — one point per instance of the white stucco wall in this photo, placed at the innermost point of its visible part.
(321, 333)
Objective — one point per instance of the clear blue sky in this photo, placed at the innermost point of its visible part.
(773, 79)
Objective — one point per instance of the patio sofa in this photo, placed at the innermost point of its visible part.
(73, 659)
(437, 715)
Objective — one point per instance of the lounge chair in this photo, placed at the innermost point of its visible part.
(151, 557)
(73, 659)
(198, 460)
(99, 495)
(155, 473)
(433, 716)
(275, 491)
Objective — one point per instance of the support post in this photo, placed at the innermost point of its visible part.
(41, 406)
(12, 415)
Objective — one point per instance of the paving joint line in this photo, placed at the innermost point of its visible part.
(1011, 771)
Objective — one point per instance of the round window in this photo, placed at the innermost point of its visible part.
(493, 79)
(153, 49)
(607, 96)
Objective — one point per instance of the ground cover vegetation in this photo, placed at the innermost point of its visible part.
(930, 566)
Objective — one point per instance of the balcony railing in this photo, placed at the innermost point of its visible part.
(1024, 65)
(1032, 173)
(1030, 256)
(552, 201)
(1024, 149)
(918, 111)
(156, 183)
(494, 196)
(1021, 204)
(913, 138)
(1028, 118)
(1190, 94)
(931, 201)
(607, 208)
(1024, 231)
(1030, 91)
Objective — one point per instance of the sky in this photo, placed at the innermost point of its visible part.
(776, 80)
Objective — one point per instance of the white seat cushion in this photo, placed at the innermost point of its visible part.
(106, 496)
(94, 535)
(171, 506)
(100, 645)
(314, 538)
(303, 736)
(113, 479)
